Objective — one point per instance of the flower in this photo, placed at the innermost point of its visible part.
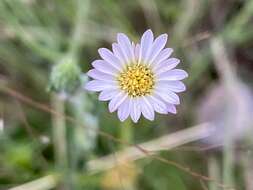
(138, 78)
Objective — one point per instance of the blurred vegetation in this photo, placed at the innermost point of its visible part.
(45, 45)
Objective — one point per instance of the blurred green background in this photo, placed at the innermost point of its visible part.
(47, 46)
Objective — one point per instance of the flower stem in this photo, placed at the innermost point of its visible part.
(59, 136)
(228, 156)
(126, 132)
(213, 170)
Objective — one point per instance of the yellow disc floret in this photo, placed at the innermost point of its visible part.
(136, 80)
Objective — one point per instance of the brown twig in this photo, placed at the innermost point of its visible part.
(197, 38)
(203, 185)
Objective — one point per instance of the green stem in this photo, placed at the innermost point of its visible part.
(213, 171)
(59, 136)
(82, 7)
(126, 132)
(228, 159)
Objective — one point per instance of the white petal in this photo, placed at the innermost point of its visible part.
(96, 74)
(124, 110)
(166, 65)
(119, 54)
(108, 94)
(126, 46)
(175, 74)
(116, 101)
(135, 111)
(145, 45)
(147, 109)
(137, 51)
(97, 85)
(158, 105)
(108, 56)
(157, 46)
(163, 55)
(175, 86)
(171, 108)
(167, 96)
(104, 67)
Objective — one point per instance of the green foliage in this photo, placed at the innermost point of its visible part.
(24, 158)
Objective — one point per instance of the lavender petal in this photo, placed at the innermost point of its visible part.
(108, 56)
(175, 74)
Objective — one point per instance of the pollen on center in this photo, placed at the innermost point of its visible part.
(136, 80)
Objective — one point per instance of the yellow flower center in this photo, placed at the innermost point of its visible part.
(136, 80)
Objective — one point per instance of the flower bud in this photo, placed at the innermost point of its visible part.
(65, 76)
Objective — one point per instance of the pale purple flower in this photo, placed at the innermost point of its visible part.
(138, 78)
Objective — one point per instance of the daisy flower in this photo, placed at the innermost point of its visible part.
(138, 79)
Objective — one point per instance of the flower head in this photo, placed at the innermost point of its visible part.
(138, 78)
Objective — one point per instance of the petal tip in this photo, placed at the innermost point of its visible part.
(88, 87)
(90, 73)
(102, 51)
(186, 75)
(148, 34)
(122, 119)
(172, 109)
(120, 36)
(111, 107)
(148, 31)
(135, 121)
(165, 35)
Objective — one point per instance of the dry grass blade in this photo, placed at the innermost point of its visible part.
(166, 142)
(44, 183)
